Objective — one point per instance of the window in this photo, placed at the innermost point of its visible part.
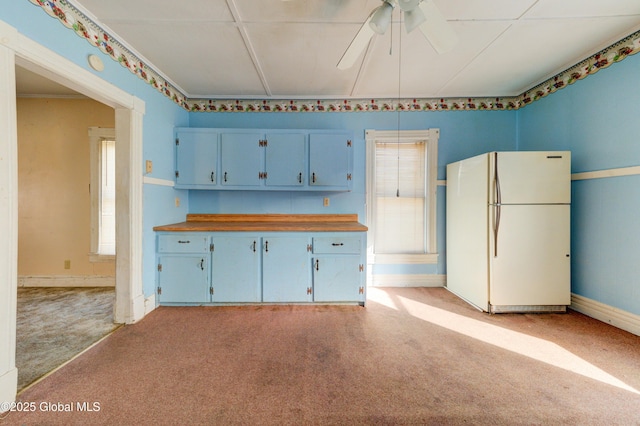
(103, 194)
(401, 196)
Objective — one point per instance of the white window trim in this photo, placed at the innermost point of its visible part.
(96, 135)
(431, 136)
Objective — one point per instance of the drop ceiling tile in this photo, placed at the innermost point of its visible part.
(163, 10)
(202, 58)
(305, 10)
(530, 52)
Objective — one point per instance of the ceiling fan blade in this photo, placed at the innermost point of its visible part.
(436, 29)
(357, 46)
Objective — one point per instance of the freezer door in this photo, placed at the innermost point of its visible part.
(530, 177)
(529, 260)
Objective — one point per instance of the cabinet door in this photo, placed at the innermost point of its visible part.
(337, 279)
(183, 279)
(196, 158)
(284, 159)
(241, 159)
(329, 161)
(286, 271)
(235, 269)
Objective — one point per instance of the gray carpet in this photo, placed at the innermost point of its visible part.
(55, 324)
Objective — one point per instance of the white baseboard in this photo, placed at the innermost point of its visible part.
(401, 280)
(150, 304)
(605, 313)
(66, 281)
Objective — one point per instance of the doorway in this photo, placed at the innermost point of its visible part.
(129, 303)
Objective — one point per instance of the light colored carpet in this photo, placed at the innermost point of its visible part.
(55, 324)
(413, 356)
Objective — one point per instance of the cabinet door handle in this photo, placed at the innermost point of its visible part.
(183, 242)
(337, 244)
(266, 246)
(202, 264)
(313, 177)
(213, 177)
(299, 177)
(225, 176)
(254, 246)
(317, 265)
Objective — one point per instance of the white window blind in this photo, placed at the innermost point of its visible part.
(107, 233)
(400, 197)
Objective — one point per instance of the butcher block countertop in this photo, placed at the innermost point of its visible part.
(267, 223)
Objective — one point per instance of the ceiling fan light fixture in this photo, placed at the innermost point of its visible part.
(413, 19)
(381, 18)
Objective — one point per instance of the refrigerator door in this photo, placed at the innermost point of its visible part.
(529, 259)
(530, 177)
(467, 232)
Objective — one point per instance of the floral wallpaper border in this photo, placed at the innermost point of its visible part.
(83, 26)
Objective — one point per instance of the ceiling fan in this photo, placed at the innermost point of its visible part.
(423, 14)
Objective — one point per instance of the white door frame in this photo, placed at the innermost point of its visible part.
(15, 48)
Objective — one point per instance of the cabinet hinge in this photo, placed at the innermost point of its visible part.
(349, 142)
(263, 142)
(309, 290)
(177, 174)
(177, 141)
(361, 267)
(361, 290)
(159, 267)
(309, 247)
(262, 175)
(348, 176)
(159, 290)
(211, 247)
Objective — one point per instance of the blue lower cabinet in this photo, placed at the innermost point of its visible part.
(183, 278)
(269, 267)
(286, 270)
(338, 279)
(235, 269)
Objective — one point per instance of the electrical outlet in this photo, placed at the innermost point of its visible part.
(67, 264)
(177, 202)
(326, 202)
(149, 166)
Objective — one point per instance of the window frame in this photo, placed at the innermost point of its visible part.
(96, 136)
(430, 137)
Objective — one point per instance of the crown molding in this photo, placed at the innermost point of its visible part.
(84, 26)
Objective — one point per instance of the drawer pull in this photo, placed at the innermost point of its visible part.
(337, 244)
(184, 242)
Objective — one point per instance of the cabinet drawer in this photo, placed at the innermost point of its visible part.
(183, 243)
(350, 245)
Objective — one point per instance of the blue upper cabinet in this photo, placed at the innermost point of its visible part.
(196, 158)
(241, 159)
(285, 155)
(330, 161)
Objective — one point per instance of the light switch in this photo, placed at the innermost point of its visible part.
(177, 202)
(149, 166)
(326, 202)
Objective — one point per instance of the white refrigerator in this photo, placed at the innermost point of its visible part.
(508, 231)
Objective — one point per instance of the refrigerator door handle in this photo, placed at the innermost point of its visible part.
(497, 203)
(496, 228)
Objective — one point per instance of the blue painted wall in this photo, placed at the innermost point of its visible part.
(462, 134)
(597, 119)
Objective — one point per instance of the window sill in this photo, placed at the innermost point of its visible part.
(404, 259)
(100, 258)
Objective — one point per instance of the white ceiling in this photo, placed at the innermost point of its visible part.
(270, 49)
